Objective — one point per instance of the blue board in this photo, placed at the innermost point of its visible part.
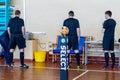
(5, 14)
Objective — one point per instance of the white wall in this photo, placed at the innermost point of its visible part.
(48, 15)
(18, 4)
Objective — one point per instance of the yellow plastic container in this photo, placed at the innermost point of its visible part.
(40, 56)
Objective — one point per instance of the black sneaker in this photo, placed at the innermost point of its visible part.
(24, 66)
(106, 68)
(113, 67)
(68, 67)
(10, 66)
(79, 67)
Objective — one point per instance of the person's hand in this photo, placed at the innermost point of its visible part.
(78, 39)
(24, 36)
(9, 36)
(103, 30)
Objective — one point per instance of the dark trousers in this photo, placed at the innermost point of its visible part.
(4, 40)
(73, 44)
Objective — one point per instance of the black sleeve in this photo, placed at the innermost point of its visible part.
(9, 23)
(22, 23)
(104, 25)
(64, 23)
(77, 24)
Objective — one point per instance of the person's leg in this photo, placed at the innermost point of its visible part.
(4, 41)
(106, 56)
(22, 56)
(106, 48)
(112, 52)
(11, 55)
(21, 45)
(77, 55)
(75, 48)
(11, 58)
(68, 51)
(23, 65)
(12, 46)
(6, 55)
(4, 44)
(113, 59)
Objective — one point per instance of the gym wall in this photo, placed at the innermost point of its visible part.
(48, 15)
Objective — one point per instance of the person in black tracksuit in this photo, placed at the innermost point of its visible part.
(74, 34)
(108, 39)
(4, 41)
(16, 32)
